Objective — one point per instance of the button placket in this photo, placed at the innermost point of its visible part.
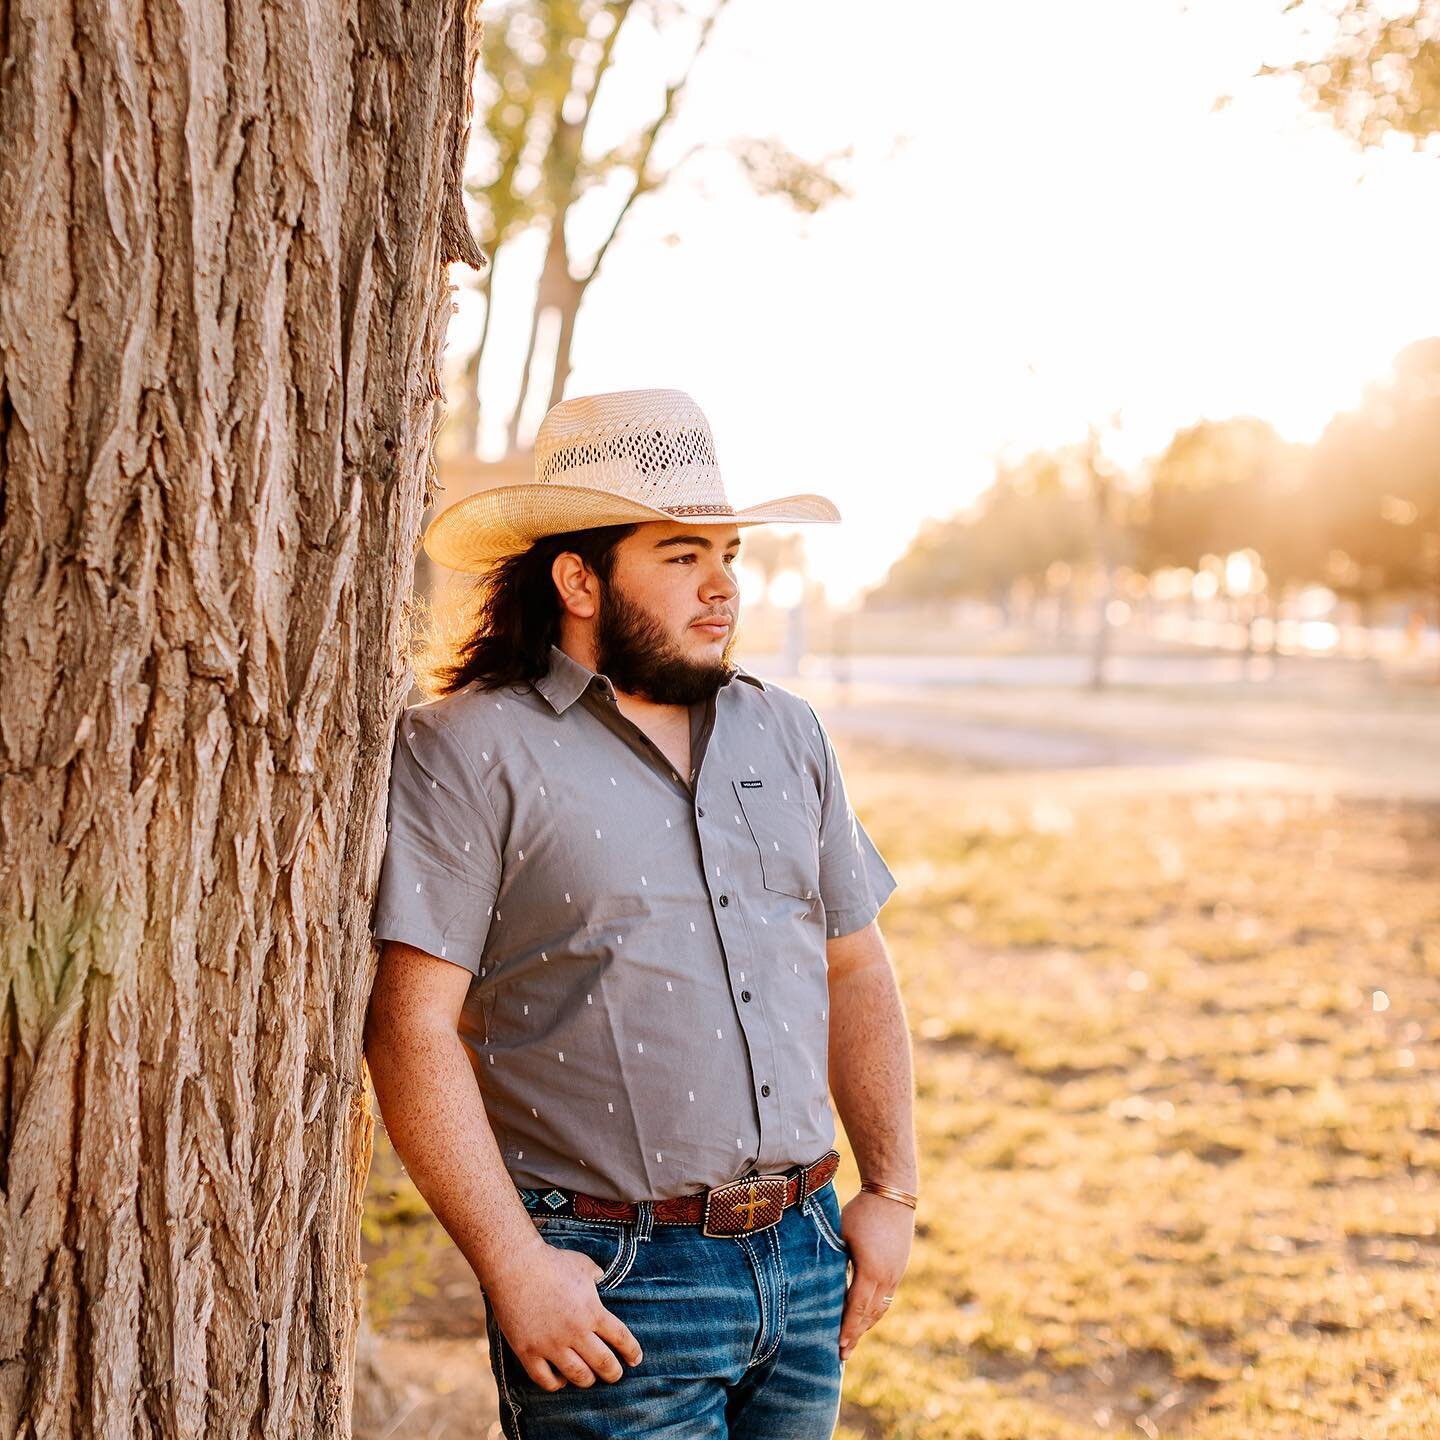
(635, 737)
(755, 1043)
(730, 846)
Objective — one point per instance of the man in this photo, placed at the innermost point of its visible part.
(629, 936)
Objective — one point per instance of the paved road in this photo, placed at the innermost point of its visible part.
(1364, 738)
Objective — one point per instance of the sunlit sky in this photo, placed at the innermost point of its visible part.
(1050, 222)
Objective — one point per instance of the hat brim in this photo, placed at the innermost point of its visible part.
(473, 533)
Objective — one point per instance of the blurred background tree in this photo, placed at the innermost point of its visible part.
(1357, 513)
(1033, 515)
(772, 552)
(1220, 488)
(1207, 491)
(1379, 70)
(1375, 484)
(545, 64)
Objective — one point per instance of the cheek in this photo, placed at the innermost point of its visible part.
(667, 595)
(676, 584)
(648, 587)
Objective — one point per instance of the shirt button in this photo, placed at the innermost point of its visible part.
(744, 994)
(700, 811)
(724, 899)
(764, 1089)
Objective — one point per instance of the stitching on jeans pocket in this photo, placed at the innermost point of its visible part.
(827, 1230)
(510, 1410)
(622, 1237)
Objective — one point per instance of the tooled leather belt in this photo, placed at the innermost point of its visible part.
(741, 1207)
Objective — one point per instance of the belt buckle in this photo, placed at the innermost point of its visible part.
(744, 1206)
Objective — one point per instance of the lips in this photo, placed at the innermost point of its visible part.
(717, 626)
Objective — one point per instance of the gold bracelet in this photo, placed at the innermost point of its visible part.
(890, 1193)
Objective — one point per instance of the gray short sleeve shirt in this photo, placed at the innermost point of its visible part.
(649, 1009)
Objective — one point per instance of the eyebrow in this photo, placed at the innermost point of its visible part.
(699, 540)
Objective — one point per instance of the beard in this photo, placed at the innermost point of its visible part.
(634, 652)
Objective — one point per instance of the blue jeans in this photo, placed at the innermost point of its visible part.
(740, 1333)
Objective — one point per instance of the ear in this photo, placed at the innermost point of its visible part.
(578, 585)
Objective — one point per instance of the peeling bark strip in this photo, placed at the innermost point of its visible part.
(223, 230)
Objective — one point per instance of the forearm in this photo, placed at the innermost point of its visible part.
(871, 1073)
(436, 1120)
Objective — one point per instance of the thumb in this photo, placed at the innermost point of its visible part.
(851, 1328)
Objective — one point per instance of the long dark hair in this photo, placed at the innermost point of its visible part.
(501, 631)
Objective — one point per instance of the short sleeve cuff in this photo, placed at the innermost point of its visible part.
(845, 919)
(423, 937)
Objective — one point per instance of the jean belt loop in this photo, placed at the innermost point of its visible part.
(644, 1218)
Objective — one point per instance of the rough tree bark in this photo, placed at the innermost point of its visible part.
(223, 237)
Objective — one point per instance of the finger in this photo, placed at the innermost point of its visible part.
(600, 1358)
(862, 1309)
(852, 1325)
(542, 1374)
(573, 1368)
(621, 1337)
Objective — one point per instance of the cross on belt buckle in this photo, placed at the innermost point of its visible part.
(744, 1206)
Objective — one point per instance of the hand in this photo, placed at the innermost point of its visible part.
(879, 1233)
(549, 1310)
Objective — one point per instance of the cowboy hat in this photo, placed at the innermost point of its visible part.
(631, 455)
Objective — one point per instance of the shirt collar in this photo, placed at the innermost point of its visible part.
(567, 680)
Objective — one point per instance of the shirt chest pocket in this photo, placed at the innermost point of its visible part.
(783, 818)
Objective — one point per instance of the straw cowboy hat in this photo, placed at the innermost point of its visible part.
(633, 455)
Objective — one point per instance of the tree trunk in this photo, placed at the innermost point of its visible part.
(466, 414)
(223, 236)
(1105, 568)
(512, 427)
(467, 408)
(574, 296)
(562, 166)
(553, 276)
(1437, 619)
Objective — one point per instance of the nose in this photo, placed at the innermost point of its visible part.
(720, 584)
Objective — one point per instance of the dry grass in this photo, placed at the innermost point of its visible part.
(1178, 1065)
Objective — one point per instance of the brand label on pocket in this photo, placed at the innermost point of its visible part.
(751, 784)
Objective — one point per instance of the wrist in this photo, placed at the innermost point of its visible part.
(511, 1255)
(890, 1192)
